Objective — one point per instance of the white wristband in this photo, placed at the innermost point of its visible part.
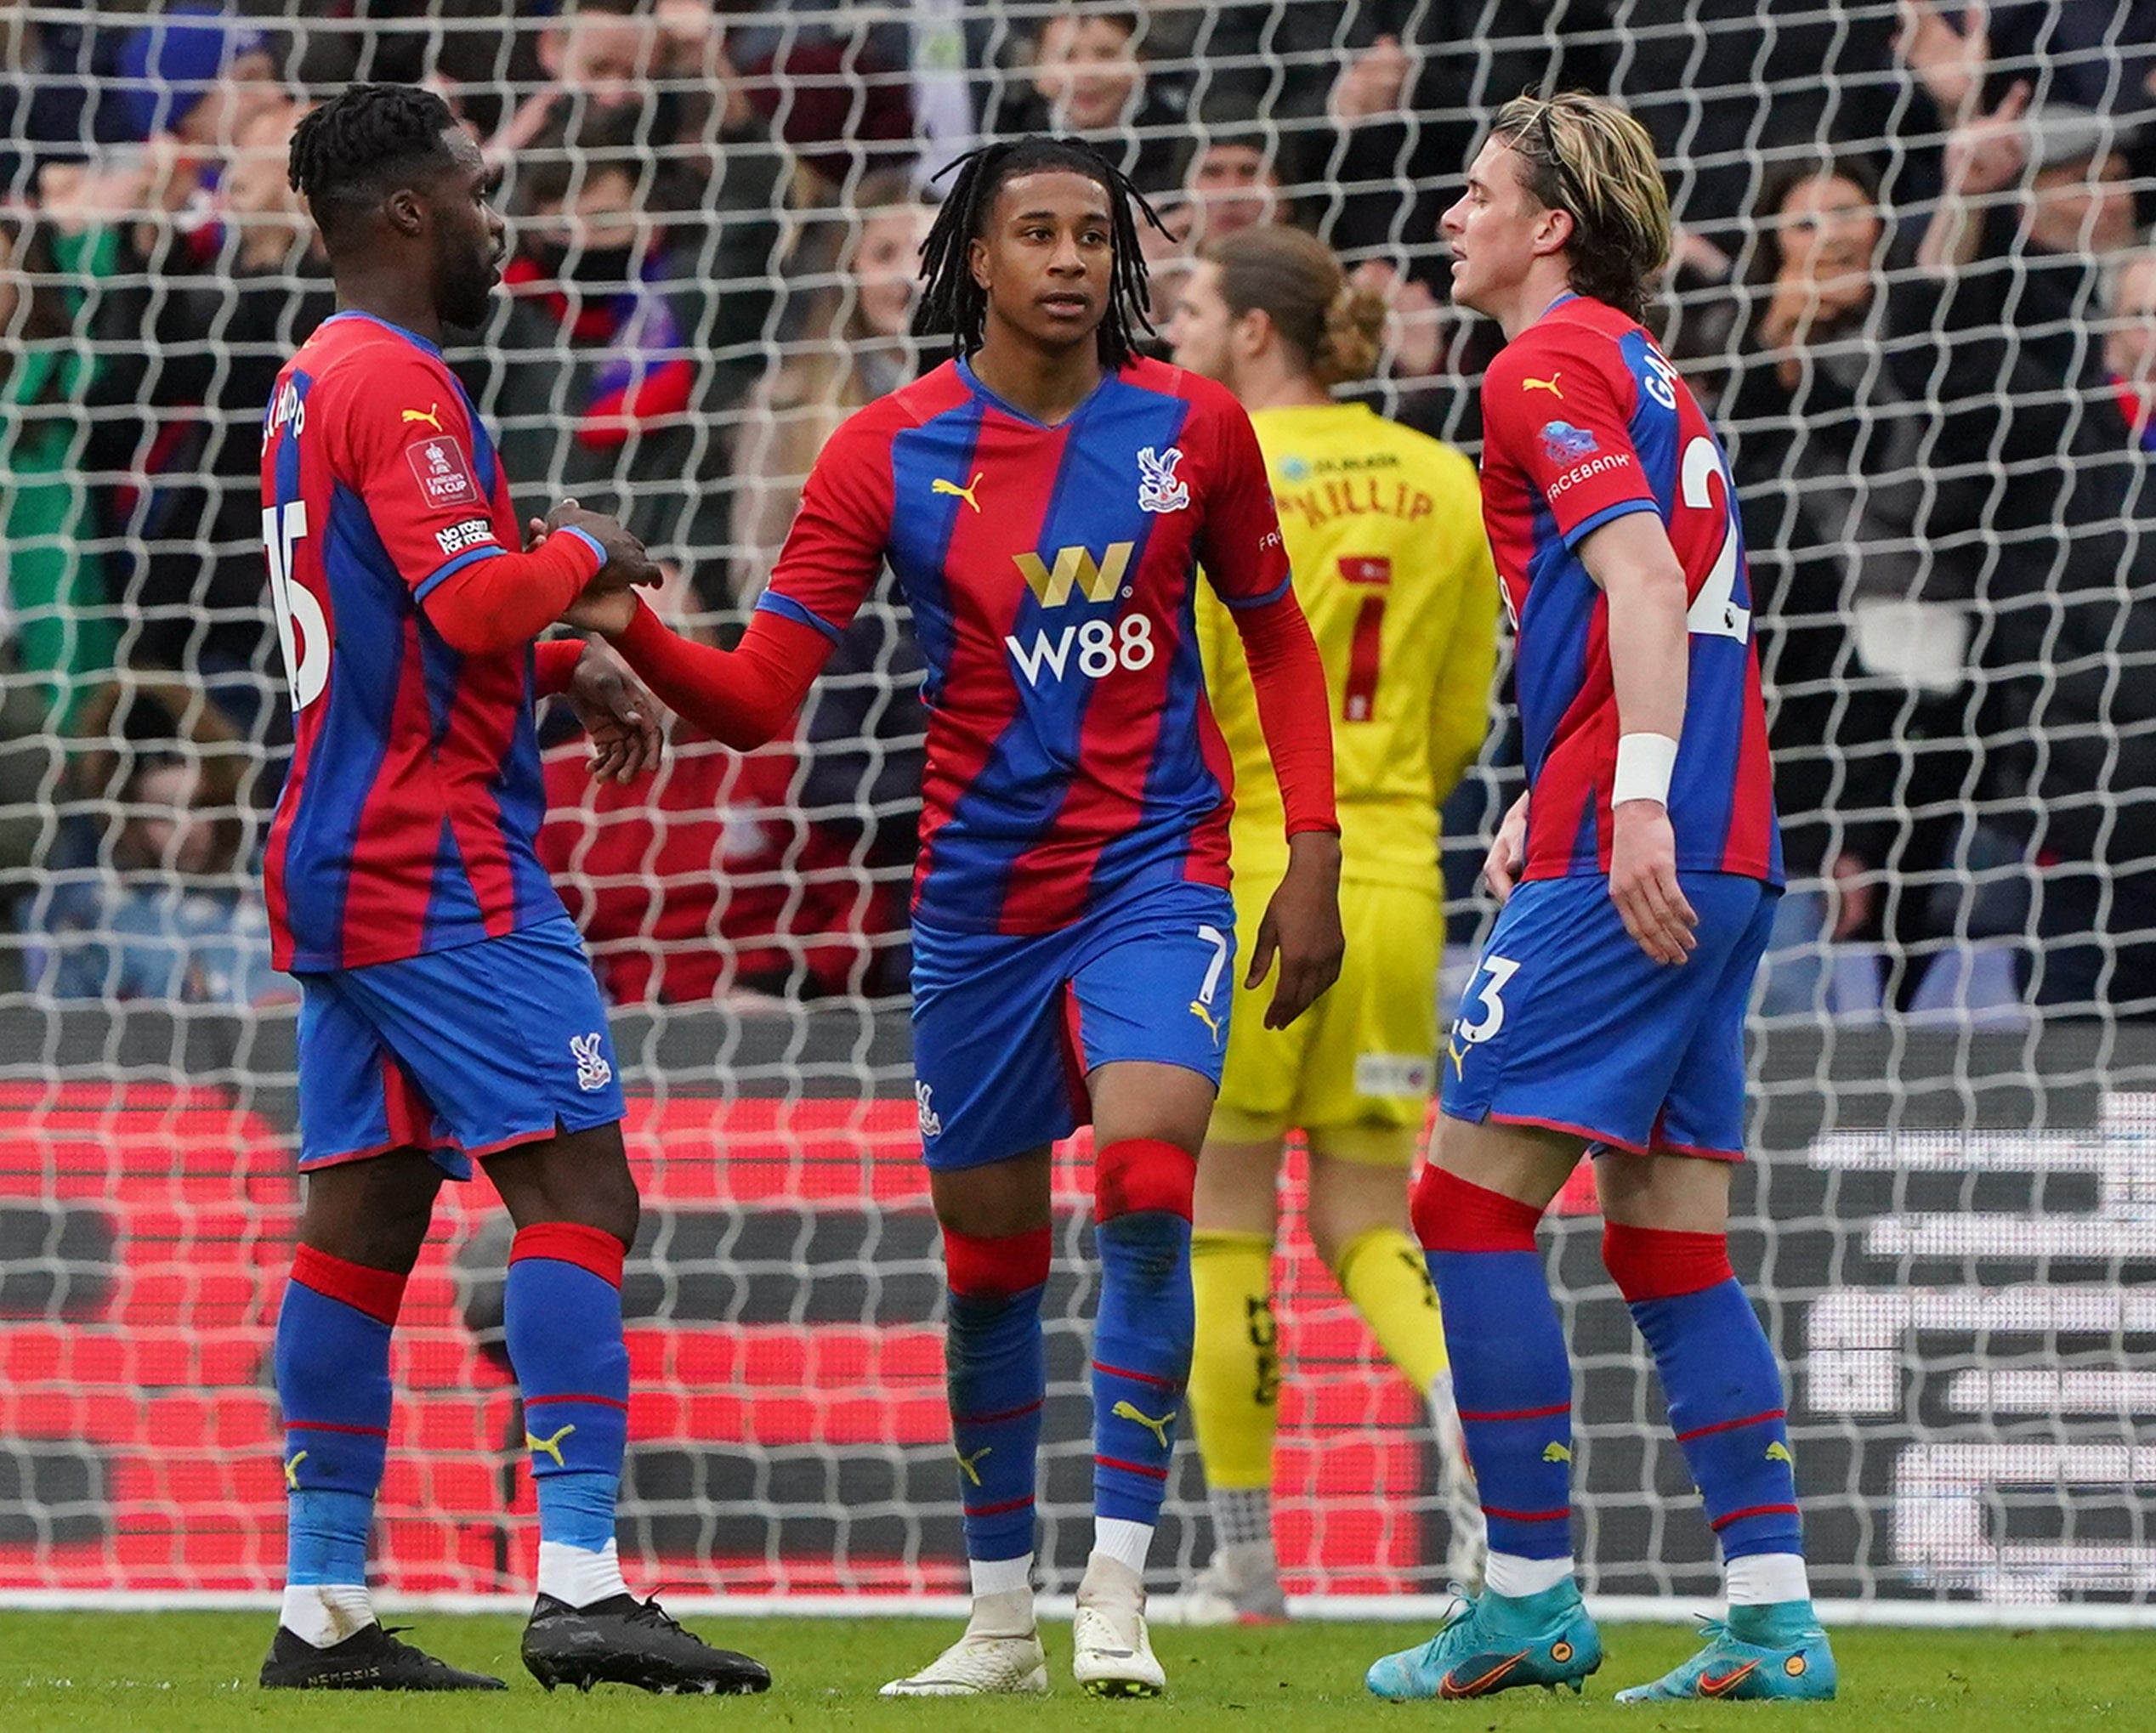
(1644, 764)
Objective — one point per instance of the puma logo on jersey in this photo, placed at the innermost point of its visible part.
(1549, 385)
(966, 1462)
(291, 1469)
(966, 493)
(548, 1447)
(1554, 1452)
(431, 415)
(1779, 1452)
(1203, 1012)
(1159, 1428)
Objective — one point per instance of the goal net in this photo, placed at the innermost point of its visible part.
(1931, 353)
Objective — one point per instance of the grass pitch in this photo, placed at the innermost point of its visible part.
(156, 1671)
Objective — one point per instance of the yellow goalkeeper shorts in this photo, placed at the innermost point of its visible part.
(1355, 1072)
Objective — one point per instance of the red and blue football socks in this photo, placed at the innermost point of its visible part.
(997, 1377)
(1142, 1335)
(332, 1369)
(1725, 1398)
(1511, 1374)
(562, 1306)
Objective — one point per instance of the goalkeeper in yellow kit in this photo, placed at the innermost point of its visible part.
(1384, 534)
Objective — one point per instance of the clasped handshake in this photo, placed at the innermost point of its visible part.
(617, 713)
(606, 604)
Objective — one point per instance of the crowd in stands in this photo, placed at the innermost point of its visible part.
(1917, 290)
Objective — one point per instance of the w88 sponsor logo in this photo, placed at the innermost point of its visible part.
(1102, 647)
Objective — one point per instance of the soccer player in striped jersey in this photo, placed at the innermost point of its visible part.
(449, 1013)
(1046, 499)
(1384, 532)
(1638, 875)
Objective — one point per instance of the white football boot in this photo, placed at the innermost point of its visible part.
(1112, 1656)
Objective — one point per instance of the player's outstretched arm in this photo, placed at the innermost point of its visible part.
(1649, 647)
(743, 697)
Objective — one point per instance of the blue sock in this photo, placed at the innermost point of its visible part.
(332, 1365)
(563, 1321)
(1727, 1409)
(1512, 1376)
(1719, 1375)
(1142, 1345)
(997, 1377)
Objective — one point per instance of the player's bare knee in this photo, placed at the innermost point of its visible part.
(1137, 1098)
(1238, 1189)
(995, 1200)
(579, 1176)
(375, 1212)
(1683, 1193)
(1348, 1199)
(1529, 1163)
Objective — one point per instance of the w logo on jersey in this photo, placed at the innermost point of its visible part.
(1075, 568)
(1158, 490)
(593, 1072)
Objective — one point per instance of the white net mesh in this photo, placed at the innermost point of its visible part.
(1932, 368)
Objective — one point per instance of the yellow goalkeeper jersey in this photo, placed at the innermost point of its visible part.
(1384, 533)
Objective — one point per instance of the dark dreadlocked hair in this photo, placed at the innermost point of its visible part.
(360, 144)
(953, 301)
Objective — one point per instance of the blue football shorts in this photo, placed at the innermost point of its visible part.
(1567, 1024)
(1007, 1027)
(462, 1052)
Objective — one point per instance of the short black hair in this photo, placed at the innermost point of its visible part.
(953, 301)
(362, 143)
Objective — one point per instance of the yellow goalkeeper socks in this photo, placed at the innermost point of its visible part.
(1382, 1273)
(1235, 1372)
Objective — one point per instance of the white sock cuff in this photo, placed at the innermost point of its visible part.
(1000, 1575)
(578, 1576)
(325, 1614)
(1512, 1577)
(1127, 1542)
(1767, 1579)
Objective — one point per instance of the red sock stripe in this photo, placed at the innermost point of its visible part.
(992, 1419)
(1731, 1425)
(566, 1395)
(993, 1269)
(332, 1426)
(1563, 1513)
(1658, 1263)
(998, 1509)
(1520, 1413)
(1453, 1215)
(1142, 1173)
(1136, 1468)
(592, 1248)
(377, 1293)
(1141, 1376)
(1722, 1522)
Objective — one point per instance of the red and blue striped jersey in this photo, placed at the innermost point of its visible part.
(406, 824)
(1583, 421)
(1052, 574)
